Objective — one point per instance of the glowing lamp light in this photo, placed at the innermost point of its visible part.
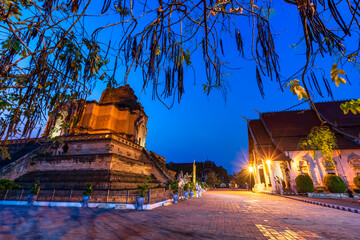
(251, 169)
(268, 161)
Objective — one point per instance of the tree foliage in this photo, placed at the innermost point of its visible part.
(45, 62)
(322, 139)
(297, 89)
(212, 179)
(202, 168)
(50, 54)
(6, 184)
(352, 106)
(244, 177)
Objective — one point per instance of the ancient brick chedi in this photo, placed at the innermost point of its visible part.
(106, 148)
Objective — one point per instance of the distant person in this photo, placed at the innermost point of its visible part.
(246, 186)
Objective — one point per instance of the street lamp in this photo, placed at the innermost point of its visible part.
(268, 162)
(251, 170)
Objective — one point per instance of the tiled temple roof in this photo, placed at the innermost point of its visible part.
(277, 132)
(263, 143)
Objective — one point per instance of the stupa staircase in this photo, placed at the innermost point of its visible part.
(20, 156)
(159, 165)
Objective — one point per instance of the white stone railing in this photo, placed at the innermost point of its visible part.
(331, 195)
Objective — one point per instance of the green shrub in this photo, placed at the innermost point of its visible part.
(304, 183)
(356, 181)
(6, 184)
(144, 187)
(175, 187)
(334, 184)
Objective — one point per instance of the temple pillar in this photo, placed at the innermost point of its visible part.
(257, 171)
(272, 177)
(267, 182)
(292, 178)
(283, 172)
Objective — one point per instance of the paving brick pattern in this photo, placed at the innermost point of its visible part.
(216, 215)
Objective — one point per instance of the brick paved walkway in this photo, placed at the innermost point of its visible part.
(217, 215)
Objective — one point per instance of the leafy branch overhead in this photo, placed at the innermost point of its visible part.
(335, 75)
(352, 106)
(297, 89)
(322, 139)
(53, 53)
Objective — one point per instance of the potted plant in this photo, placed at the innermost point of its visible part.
(192, 189)
(141, 198)
(33, 192)
(87, 194)
(175, 190)
(186, 190)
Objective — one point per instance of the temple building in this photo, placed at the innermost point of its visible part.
(107, 147)
(275, 156)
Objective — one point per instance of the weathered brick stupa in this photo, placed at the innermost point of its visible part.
(107, 148)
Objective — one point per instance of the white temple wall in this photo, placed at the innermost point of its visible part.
(347, 165)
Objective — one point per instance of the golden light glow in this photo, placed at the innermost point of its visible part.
(268, 161)
(251, 169)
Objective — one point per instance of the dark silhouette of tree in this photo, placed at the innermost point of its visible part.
(244, 177)
(202, 170)
(212, 179)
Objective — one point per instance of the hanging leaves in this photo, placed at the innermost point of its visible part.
(47, 57)
(322, 139)
(43, 66)
(297, 89)
(352, 106)
(335, 75)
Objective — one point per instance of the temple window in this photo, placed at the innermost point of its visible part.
(354, 162)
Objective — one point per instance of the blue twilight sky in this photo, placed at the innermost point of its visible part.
(206, 127)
